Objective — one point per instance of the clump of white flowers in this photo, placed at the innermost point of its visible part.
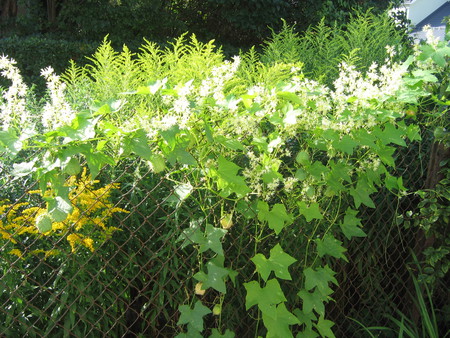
(214, 84)
(432, 40)
(57, 112)
(364, 94)
(13, 112)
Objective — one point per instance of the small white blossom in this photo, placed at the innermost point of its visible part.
(57, 112)
(13, 106)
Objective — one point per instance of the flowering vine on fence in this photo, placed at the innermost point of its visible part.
(299, 157)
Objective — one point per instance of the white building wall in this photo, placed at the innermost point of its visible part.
(417, 10)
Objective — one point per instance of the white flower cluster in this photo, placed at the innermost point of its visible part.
(57, 112)
(432, 40)
(214, 85)
(13, 110)
(357, 96)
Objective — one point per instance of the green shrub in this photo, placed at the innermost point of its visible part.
(322, 47)
(37, 52)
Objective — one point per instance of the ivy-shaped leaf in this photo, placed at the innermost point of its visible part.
(278, 325)
(82, 127)
(279, 262)
(390, 134)
(194, 316)
(192, 235)
(324, 327)
(313, 301)
(96, 160)
(307, 333)
(60, 206)
(329, 245)
(310, 212)
(215, 277)
(228, 181)
(277, 218)
(265, 297)
(191, 333)
(216, 334)
(320, 278)
(24, 168)
(361, 194)
(10, 142)
(305, 318)
(345, 144)
(350, 226)
(137, 142)
(213, 239)
(43, 223)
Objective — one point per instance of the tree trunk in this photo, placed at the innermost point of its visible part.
(51, 10)
(9, 9)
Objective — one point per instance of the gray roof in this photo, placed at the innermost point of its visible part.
(435, 21)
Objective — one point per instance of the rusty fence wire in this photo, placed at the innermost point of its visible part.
(132, 282)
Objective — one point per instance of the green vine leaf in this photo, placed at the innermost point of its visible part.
(96, 160)
(213, 239)
(43, 223)
(278, 262)
(351, 224)
(216, 334)
(194, 316)
(313, 301)
(137, 142)
(361, 194)
(191, 333)
(310, 212)
(324, 327)
(82, 127)
(305, 318)
(192, 235)
(320, 278)
(264, 297)
(228, 181)
(60, 206)
(363, 138)
(390, 134)
(277, 218)
(345, 144)
(24, 168)
(307, 333)
(329, 245)
(9, 142)
(214, 279)
(278, 325)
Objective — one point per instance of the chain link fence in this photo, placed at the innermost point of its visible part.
(138, 270)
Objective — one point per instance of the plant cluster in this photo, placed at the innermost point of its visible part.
(84, 225)
(287, 163)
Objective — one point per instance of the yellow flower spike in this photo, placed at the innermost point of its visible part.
(50, 253)
(7, 236)
(89, 243)
(16, 252)
(73, 239)
(92, 212)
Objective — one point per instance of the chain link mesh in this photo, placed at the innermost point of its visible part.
(133, 282)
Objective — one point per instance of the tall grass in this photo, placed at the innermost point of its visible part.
(322, 47)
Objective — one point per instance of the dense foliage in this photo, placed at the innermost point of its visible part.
(235, 22)
(261, 148)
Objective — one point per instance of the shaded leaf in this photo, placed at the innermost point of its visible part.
(310, 212)
(329, 245)
(350, 226)
(277, 218)
(278, 262)
(264, 297)
(194, 316)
